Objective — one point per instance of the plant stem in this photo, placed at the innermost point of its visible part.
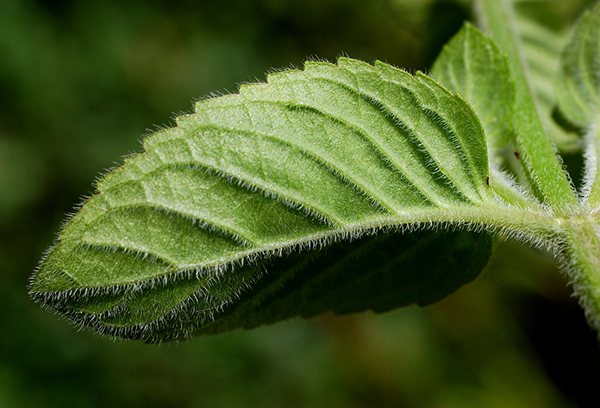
(591, 188)
(578, 234)
(582, 253)
(540, 162)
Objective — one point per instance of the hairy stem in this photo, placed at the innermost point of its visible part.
(582, 253)
(591, 192)
(541, 164)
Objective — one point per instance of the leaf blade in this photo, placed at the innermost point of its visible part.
(577, 91)
(538, 156)
(472, 65)
(281, 168)
(578, 85)
(542, 47)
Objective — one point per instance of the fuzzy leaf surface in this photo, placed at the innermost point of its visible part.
(472, 65)
(216, 225)
(542, 48)
(578, 84)
(545, 175)
(578, 93)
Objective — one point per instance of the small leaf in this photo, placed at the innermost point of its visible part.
(216, 224)
(578, 94)
(578, 85)
(542, 49)
(544, 173)
(472, 65)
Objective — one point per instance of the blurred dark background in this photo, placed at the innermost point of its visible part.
(82, 81)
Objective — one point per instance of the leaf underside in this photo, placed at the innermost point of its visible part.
(220, 222)
(377, 272)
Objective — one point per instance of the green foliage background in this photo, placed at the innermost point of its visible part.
(80, 81)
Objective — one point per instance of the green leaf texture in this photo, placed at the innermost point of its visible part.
(542, 48)
(219, 222)
(578, 94)
(472, 65)
(578, 85)
(545, 175)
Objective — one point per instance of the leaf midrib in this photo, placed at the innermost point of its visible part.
(490, 216)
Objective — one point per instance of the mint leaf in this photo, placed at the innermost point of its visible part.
(537, 153)
(578, 85)
(220, 215)
(578, 94)
(378, 272)
(542, 46)
(472, 65)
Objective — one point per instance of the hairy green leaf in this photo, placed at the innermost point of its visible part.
(537, 153)
(472, 65)
(542, 48)
(378, 272)
(219, 217)
(578, 85)
(578, 94)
